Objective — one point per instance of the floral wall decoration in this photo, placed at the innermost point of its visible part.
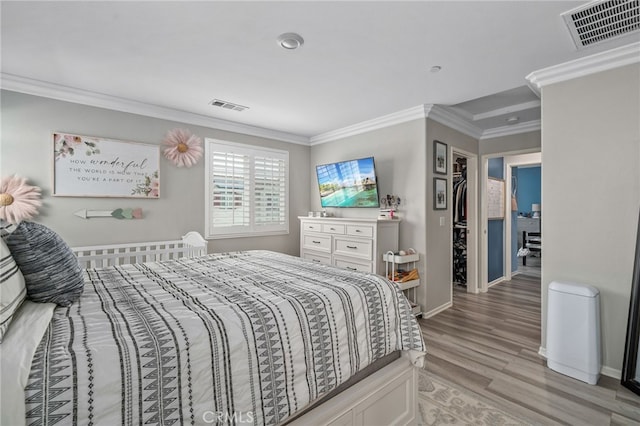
(182, 147)
(18, 201)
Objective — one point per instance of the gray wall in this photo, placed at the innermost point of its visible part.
(522, 142)
(591, 192)
(400, 157)
(27, 150)
(439, 248)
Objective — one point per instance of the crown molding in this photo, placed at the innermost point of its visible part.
(29, 86)
(445, 116)
(403, 116)
(527, 126)
(592, 64)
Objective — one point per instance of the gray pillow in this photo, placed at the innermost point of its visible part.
(50, 269)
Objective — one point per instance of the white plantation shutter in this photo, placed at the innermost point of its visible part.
(247, 190)
(270, 191)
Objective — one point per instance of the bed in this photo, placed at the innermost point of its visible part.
(166, 334)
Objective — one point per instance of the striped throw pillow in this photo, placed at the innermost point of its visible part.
(12, 288)
(51, 270)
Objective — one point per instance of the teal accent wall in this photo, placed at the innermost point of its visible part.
(495, 229)
(529, 184)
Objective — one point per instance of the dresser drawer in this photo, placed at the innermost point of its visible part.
(317, 257)
(317, 242)
(362, 249)
(312, 226)
(528, 224)
(332, 228)
(353, 265)
(364, 231)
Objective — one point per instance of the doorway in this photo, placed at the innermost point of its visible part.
(464, 220)
(509, 230)
(523, 232)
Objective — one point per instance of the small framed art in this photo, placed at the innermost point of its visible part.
(439, 194)
(440, 157)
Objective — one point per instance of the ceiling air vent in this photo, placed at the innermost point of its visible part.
(227, 105)
(598, 21)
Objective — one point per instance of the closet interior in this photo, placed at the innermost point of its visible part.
(459, 211)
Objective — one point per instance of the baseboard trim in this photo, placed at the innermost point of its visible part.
(494, 282)
(437, 310)
(611, 372)
(604, 370)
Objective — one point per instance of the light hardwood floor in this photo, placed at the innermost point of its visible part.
(488, 344)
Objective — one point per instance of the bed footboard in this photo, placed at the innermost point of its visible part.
(192, 244)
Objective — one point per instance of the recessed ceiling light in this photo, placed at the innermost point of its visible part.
(435, 68)
(290, 41)
(513, 119)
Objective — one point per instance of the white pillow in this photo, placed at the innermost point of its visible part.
(12, 288)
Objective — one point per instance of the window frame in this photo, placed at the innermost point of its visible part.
(218, 145)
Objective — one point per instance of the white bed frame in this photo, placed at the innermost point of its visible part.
(386, 397)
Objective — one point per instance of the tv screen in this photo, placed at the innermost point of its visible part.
(348, 184)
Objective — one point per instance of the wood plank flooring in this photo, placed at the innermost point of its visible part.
(488, 344)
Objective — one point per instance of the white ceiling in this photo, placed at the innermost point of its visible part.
(360, 60)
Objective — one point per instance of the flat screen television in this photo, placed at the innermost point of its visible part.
(348, 183)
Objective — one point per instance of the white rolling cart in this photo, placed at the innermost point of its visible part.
(402, 270)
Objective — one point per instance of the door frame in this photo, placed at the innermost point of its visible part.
(472, 219)
(511, 161)
(484, 221)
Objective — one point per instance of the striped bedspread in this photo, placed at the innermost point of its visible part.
(248, 337)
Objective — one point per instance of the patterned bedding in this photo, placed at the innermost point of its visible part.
(247, 337)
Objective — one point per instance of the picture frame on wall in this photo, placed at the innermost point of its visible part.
(440, 159)
(439, 194)
(90, 166)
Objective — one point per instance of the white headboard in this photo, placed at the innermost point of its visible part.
(192, 244)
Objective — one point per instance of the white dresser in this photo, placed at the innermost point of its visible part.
(350, 243)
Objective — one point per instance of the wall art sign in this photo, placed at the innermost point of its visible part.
(86, 166)
(495, 198)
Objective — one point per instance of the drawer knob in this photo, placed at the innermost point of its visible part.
(351, 268)
(357, 230)
(315, 242)
(332, 229)
(352, 247)
(315, 260)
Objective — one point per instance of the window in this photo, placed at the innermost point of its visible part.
(247, 190)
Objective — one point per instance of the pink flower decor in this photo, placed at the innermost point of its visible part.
(182, 147)
(18, 201)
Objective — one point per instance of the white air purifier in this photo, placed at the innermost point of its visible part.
(573, 331)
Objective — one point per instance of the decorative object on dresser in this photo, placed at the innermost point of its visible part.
(389, 205)
(535, 210)
(18, 201)
(401, 268)
(352, 243)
